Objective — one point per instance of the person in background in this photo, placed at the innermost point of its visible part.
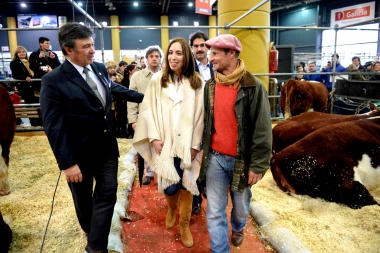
(122, 66)
(21, 70)
(42, 61)
(169, 132)
(376, 69)
(204, 67)
(237, 140)
(112, 74)
(122, 127)
(299, 68)
(353, 68)
(312, 69)
(370, 67)
(142, 62)
(326, 78)
(299, 76)
(301, 63)
(358, 65)
(76, 112)
(139, 82)
(128, 72)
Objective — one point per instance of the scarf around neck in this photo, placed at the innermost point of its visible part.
(26, 64)
(234, 77)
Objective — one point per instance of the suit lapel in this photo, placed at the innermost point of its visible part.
(73, 75)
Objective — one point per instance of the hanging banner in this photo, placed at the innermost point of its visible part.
(203, 7)
(352, 14)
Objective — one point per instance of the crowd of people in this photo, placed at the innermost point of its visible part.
(43, 61)
(356, 70)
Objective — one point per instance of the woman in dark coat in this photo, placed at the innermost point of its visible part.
(21, 71)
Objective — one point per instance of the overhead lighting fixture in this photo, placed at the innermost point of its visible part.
(104, 23)
(190, 4)
(23, 5)
(80, 4)
(135, 4)
(175, 23)
(196, 23)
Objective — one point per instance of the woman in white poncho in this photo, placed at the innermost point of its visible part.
(169, 132)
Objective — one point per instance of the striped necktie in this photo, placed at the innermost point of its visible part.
(93, 86)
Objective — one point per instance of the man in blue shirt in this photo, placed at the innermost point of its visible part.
(327, 79)
(312, 67)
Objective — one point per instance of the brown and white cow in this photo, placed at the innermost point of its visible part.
(338, 162)
(7, 132)
(302, 96)
(293, 129)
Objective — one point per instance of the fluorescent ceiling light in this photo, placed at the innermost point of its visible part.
(190, 4)
(135, 4)
(23, 5)
(175, 23)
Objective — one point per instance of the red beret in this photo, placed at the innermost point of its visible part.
(224, 41)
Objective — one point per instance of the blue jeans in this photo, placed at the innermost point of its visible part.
(173, 189)
(219, 175)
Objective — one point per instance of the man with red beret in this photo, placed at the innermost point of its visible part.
(236, 141)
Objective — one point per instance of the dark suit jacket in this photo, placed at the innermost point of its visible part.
(211, 67)
(74, 120)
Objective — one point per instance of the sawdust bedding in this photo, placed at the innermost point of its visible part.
(322, 226)
(33, 175)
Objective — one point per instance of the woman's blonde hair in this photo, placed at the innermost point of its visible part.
(18, 49)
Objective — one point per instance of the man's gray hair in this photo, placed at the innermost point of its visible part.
(70, 32)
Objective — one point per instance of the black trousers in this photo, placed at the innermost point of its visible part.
(94, 206)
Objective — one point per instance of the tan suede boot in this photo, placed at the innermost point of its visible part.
(172, 202)
(185, 206)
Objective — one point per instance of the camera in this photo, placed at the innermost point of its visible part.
(47, 53)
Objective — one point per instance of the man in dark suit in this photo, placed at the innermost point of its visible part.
(202, 64)
(204, 67)
(78, 122)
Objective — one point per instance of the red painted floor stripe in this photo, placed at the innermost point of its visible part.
(149, 234)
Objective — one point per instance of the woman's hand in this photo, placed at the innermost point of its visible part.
(28, 79)
(157, 145)
(194, 153)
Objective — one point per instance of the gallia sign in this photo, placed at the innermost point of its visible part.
(352, 14)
